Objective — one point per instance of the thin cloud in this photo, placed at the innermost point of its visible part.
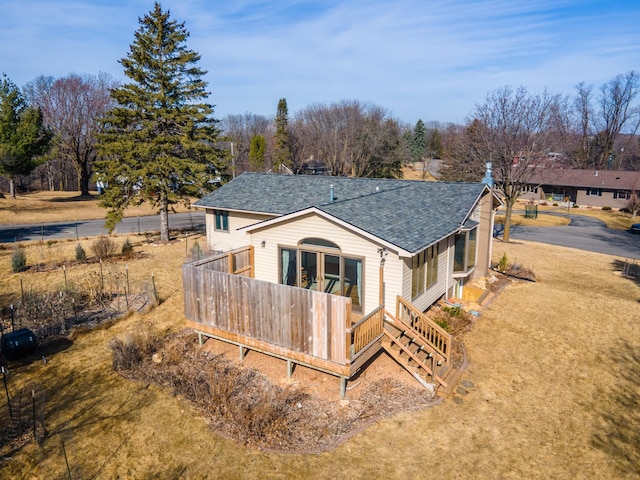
(432, 60)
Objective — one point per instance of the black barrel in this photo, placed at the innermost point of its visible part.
(19, 344)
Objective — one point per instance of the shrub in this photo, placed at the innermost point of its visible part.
(81, 255)
(127, 249)
(502, 264)
(453, 311)
(131, 350)
(196, 251)
(442, 322)
(19, 260)
(575, 205)
(103, 247)
(555, 204)
(606, 208)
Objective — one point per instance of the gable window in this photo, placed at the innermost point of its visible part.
(222, 220)
(464, 257)
(424, 271)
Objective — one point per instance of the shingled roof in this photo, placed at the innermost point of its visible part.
(569, 177)
(409, 214)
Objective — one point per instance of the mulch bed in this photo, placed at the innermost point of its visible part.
(243, 404)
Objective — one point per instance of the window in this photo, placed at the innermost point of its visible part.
(222, 220)
(594, 191)
(625, 195)
(288, 270)
(318, 265)
(424, 271)
(464, 257)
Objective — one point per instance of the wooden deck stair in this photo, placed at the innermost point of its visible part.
(415, 353)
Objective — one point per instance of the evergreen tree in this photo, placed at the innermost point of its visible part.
(256, 151)
(23, 136)
(418, 143)
(158, 141)
(282, 152)
(435, 144)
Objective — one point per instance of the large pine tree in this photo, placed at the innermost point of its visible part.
(418, 142)
(23, 137)
(158, 144)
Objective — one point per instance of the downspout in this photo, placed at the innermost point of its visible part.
(449, 267)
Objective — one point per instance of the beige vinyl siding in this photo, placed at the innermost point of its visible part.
(289, 233)
(445, 279)
(223, 241)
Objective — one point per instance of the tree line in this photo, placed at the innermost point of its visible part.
(156, 139)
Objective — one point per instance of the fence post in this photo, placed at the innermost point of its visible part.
(155, 292)
(33, 412)
(126, 266)
(6, 388)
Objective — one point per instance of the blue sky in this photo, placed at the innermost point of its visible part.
(424, 59)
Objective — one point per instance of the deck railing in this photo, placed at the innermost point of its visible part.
(221, 294)
(364, 332)
(436, 336)
(235, 262)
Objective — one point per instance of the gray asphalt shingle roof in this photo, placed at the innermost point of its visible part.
(409, 214)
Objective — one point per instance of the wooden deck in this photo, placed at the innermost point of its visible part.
(301, 326)
(306, 327)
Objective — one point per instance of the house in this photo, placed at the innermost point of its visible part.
(315, 269)
(595, 188)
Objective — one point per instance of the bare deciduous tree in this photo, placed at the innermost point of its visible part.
(240, 129)
(351, 138)
(71, 107)
(600, 122)
(514, 130)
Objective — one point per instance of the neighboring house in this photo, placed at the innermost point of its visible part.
(313, 166)
(343, 253)
(596, 188)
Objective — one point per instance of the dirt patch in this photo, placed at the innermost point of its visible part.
(256, 404)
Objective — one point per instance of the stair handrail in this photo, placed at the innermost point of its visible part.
(433, 334)
(430, 370)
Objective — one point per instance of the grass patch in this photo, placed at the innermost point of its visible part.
(548, 388)
(45, 207)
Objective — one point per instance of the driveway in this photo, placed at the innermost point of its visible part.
(92, 228)
(583, 233)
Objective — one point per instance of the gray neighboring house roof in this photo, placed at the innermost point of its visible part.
(569, 177)
(410, 214)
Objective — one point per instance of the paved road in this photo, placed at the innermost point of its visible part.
(584, 233)
(91, 228)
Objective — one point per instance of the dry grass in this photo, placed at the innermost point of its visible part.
(612, 218)
(41, 207)
(541, 221)
(551, 392)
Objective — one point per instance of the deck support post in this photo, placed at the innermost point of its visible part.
(343, 387)
(290, 367)
(200, 342)
(241, 352)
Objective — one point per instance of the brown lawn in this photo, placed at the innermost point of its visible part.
(551, 391)
(48, 206)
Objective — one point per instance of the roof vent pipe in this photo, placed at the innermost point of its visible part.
(332, 197)
(488, 175)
